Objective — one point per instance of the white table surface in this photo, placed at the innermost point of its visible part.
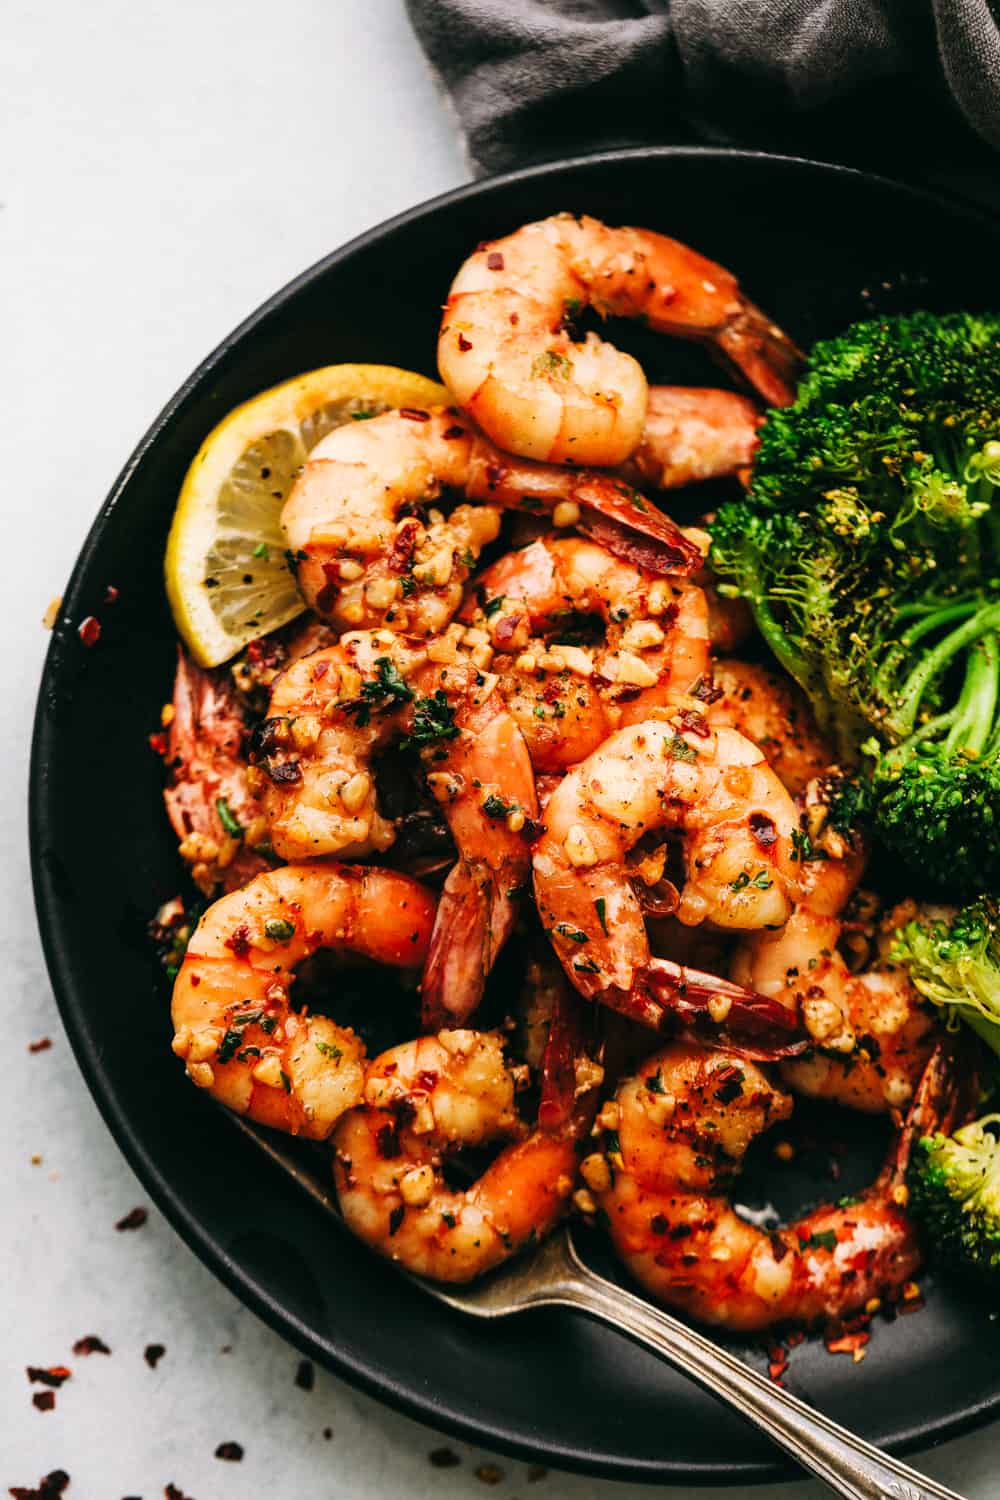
(164, 167)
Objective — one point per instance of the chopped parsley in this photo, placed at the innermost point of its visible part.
(679, 749)
(433, 719)
(586, 966)
(279, 929)
(496, 807)
(803, 848)
(329, 1050)
(286, 1082)
(760, 882)
(826, 1239)
(261, 550)
(654, 1083)
(492, 606)
(231, 824)
(551, 363)
(572, 933)
(601, 908)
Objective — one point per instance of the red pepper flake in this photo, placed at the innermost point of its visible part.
(44, 1400)
(400, 553)
(54, 1376)
(89, 630)
(90, 1344)
(849, 1343)
(427, 1079)
(134, 1219)
(705, 691)
(505, 629)
(764, 830)
(414, 414)
(42, 1045)
(111, 594)
(305, 1375)
(795, 1339)
(464, 344)
(444, 1458)
(494, 261)
(231, 1453)
(489, 1474)
(158, 743)
(387, 1141)
(239, 941)
(153, 1353)
(53, 1483)
(775, 1370)
(694, 722)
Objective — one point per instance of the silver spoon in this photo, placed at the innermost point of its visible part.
(555, 1276)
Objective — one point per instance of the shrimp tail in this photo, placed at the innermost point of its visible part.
(475, 916)
(618, 518)
(743, 1020)
(764, 355)
(680, 1001)
(945, 1098)
(568, 1100)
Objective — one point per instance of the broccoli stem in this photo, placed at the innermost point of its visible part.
(933, 664)
(978, 700)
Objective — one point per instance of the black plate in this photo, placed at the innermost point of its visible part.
(816, 246)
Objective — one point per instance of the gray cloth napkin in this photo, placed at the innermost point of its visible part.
(906, 85)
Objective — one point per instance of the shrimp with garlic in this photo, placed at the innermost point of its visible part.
(423, 1102)
(235, 1025)
(672, 773)
(508, 356)
(682, 1125)
(656, 643)
(371, 546)
(332, 711)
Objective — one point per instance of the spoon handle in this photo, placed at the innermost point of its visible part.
(846, 1463)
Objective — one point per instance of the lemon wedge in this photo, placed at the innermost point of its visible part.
(226, 573)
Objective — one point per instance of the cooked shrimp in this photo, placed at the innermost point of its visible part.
(364, 559)
(771, 710)
(693, 433)
(683, 1125)
(557, 707)
(234, 1024)
(871, 1032)
(716, 789)
(330, 713)
(656, 638)
(507, 357)
(209, 802)
(424, 1101)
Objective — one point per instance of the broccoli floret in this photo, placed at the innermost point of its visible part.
(954, 1185)
(954, 961)
(868, 547)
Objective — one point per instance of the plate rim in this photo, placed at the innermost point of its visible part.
(410, 1400)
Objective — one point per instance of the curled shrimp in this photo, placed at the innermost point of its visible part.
(329, 714)
(656, 629)
(871, 1033)
(682, 1126)
(423, 1102)
(209, 800)
(234, 1023)
(507, 356)
(370, 547)
(738, 851)
(770, 709)
(693, 433)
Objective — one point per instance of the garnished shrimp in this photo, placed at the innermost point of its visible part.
(212, 809)
(693, 433)
(771, 710)
(507, 356)
(682, 1126)
(714, 787)
(555, 703)
(871, 1032)
(234, 1023)
(331, 712)
(656, 639)
(363, 558)
(425, 1101)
